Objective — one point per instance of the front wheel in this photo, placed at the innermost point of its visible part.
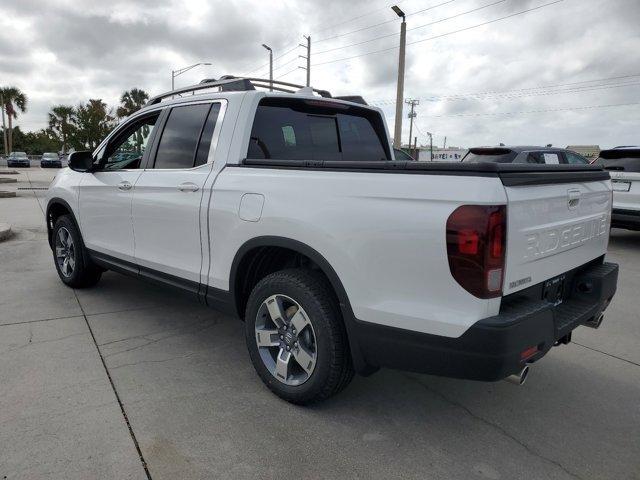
(74, 267)
(296, 338)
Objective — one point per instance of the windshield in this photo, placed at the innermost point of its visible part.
(18, 154)
(494, 155)
(50, 155)
(401, 154)
(624, 159)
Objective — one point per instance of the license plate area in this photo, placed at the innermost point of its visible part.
(620, 186)
(553, 290)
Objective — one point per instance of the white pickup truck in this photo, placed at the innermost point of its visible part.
(287, 209)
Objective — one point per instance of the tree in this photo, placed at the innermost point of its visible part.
(62, 123)
(131, 101)
(93, 122)
(14, 100)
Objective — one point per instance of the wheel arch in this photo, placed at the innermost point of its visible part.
(256, 246)
(56, 207)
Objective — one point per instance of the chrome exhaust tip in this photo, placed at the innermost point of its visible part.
(520, 377)
(595, 321)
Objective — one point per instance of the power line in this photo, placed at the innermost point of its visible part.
(586, 107)
(514, 94)
(414, 28)
(290, 71)
(441, 35)
(274, 59)
(385, 22)
(358, 17)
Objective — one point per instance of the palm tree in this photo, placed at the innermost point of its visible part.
(131, 101)
(13, 100)
(62, 119)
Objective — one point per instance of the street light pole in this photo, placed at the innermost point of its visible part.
(397, 140)
(180, 71)
(430, 145)
(270, 66)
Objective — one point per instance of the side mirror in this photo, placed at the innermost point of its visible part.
(81, 161)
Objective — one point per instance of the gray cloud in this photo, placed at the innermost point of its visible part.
(69, 52)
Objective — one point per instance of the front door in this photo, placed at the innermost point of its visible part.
(167, 214)
(106, 192)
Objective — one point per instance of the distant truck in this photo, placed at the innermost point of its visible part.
(288, 210)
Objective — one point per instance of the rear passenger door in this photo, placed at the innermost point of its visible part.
(167, 217)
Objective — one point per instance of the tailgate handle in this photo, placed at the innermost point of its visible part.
(573, 198)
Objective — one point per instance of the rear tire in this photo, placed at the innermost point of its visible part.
(72, 262)
(318, 362)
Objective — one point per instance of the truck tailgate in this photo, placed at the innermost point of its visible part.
(552, 228)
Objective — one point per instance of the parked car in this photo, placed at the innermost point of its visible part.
(18, 159)
(623, 163)
(50, 159)
(524, 154)
(285, 210)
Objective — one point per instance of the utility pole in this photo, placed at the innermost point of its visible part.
(4, 128)
(412, 114)
(445, 143)
(430, 145)
(397, 141)
(308, 58)
(270, 66)
(415, 148)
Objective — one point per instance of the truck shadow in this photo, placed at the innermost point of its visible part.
(181, 367)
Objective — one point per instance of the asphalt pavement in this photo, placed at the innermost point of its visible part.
(132, 380)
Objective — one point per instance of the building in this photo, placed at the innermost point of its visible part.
(590, 152)
(449, 154)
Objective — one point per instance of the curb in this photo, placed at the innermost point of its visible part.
(5, 231)
(5, 194)
(8, 172)
(8, 180)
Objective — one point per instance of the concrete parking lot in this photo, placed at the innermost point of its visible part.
(131, 380)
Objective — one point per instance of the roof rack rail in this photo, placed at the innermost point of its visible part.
(229, 83)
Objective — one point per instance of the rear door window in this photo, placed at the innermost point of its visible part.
(182, 131)
(292, 129)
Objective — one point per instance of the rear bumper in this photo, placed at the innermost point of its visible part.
(50, 163)
(629, 219)
(14, 163)
(491, 349)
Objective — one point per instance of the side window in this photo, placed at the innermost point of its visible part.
(126, 150)
(552, 158)
(575, 159)
(207, 134)
(182, 131)
(316, 130)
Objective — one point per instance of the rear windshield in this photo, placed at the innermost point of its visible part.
(293, 129)
(50, 155)
(495, 155)
(623, 159)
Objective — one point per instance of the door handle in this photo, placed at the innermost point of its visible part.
(124, 186)
(188, 187)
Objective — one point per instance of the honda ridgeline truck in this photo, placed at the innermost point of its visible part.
(286, 208)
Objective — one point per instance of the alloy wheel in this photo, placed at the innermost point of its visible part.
(65, 252)
(286, 340)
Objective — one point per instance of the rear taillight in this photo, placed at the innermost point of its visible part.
(476, 236)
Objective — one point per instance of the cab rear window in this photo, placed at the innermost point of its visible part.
(292, 129)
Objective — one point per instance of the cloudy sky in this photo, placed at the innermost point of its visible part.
(485, 71)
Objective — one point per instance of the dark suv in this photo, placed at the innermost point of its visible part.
(524, 154)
